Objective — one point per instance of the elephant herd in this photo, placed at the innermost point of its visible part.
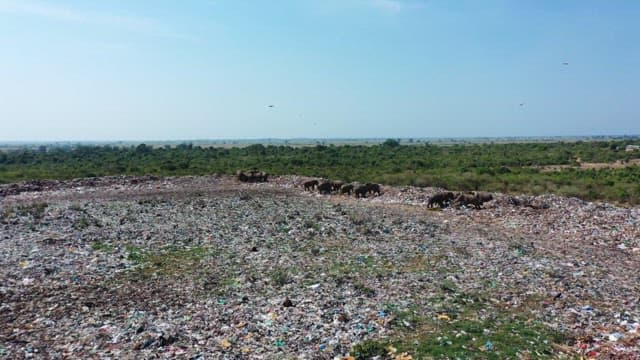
(442, 199)
(446, 198)
(330, 186)
(252, 176)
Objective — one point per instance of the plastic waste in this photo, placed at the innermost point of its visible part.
(225, 343)
(615, 336)
(587, 308)
(488, 345)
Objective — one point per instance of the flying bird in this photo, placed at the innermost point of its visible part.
(565, 63)
(521, 104)
(270, 105)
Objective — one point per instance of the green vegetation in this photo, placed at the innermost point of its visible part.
(500, 338)
(81, 223)
(369, 349)
(465, 336)
(170, 261)
(134, 254)
(280, 277)
(103, 247)
(35, 210)
(510, 168)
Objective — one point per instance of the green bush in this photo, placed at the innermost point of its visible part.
(368, 350)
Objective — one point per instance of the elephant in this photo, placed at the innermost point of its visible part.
(242, 176)
(469, 199)
(442, 199)
(346, 189)
(364, 190)
(484, 196)
(258, 176)
(336, 185)
(361, 190)
(310, 185)
(325, 187)
(253, 176)
(373, 188)
(517, 201)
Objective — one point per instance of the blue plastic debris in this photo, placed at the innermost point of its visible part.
(488, 345)
(587, 308)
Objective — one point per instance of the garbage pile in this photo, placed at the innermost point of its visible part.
(209, 267)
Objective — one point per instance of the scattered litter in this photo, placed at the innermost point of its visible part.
(403, 356)
(195, 267)
(488, 346)
(615, 336)
(226, 344)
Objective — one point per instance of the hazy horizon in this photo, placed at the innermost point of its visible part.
(323, 141)
(73, 71)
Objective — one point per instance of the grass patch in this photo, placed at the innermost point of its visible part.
(8, 213)
(103, 247)
(311, 224)
(35, 210)
(134, 254)
(368, 349)
(279, 277)
(76, 207)
(448, 286)
(364, 289)
(502, 338)
(465, 335)
(81, 223)
(172, 260)
(363, 265)
(283, 228)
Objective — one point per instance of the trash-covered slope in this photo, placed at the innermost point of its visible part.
(208, 267)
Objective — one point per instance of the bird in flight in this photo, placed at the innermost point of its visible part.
(521, 104)
(271, 106)
(565, 63)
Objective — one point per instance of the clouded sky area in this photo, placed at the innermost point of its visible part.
(170, 70)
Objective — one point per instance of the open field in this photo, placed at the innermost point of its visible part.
(207, 267)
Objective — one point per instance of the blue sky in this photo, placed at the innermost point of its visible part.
(160, 69)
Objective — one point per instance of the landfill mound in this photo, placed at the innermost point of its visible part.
(209, 267)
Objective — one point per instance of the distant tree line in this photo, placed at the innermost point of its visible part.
(512, 168)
